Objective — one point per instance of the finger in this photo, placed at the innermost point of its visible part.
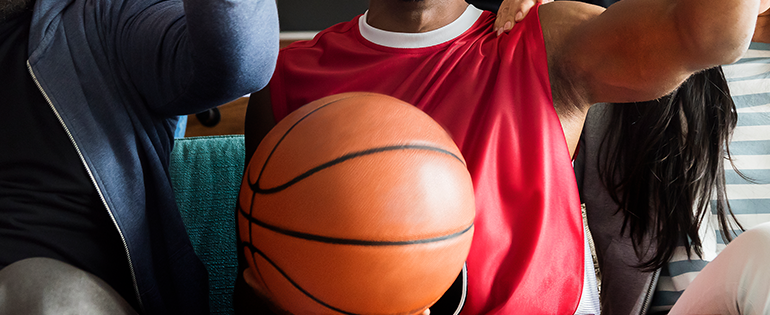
(503, 16)
(510, 16)
(524, 10)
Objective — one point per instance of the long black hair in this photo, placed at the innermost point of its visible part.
(663, 162)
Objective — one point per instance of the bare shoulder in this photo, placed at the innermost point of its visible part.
(560, 21)
(560, 18)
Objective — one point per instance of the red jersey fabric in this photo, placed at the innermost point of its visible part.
(492, 94)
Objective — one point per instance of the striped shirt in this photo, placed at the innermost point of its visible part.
(749, 81)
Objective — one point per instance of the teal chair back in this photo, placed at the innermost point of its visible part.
(206, 173)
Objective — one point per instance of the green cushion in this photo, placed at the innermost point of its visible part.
(206, 173)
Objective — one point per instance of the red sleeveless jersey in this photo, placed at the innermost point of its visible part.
(492, 94)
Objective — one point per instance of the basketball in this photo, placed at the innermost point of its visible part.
(357, 203)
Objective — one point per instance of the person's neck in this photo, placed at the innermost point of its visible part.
(413, 16)
(762, 31)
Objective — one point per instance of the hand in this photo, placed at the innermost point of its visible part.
(512, 12)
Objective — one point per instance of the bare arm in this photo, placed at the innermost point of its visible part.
(640, 49)
(762, 31)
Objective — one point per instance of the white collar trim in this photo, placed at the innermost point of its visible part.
(419, 40)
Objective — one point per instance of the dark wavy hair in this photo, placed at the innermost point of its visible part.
(664, 163)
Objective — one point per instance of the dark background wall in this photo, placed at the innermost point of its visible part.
(316, 15)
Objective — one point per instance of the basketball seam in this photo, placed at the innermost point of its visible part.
(275, 147)
(256, 187)
(348, 241)
(346, 157)
(255, 250)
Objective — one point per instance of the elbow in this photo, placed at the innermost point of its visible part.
(216, 85)
(726, 51)
(238, 53)
(265, 66)
(258, 63)
(720, 36)
(250, 77)
(246, 72)
(710, 50)
(262, 53)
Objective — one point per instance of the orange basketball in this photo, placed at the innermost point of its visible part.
(357, 203)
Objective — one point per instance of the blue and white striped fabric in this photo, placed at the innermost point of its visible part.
(680, 271)
(749, 81)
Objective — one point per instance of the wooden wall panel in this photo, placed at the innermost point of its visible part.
(232, 119)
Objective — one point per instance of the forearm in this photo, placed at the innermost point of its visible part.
(762, 31)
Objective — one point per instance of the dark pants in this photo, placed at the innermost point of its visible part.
(38, 286)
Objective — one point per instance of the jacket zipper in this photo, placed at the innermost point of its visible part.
(93, 180)
(648, 295)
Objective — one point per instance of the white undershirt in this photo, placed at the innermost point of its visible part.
(419, 40)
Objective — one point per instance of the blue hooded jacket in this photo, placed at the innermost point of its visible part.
(116, 74)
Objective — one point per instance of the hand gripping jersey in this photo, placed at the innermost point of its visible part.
(493, 96)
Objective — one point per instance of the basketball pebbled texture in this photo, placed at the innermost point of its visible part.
(357, 203)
